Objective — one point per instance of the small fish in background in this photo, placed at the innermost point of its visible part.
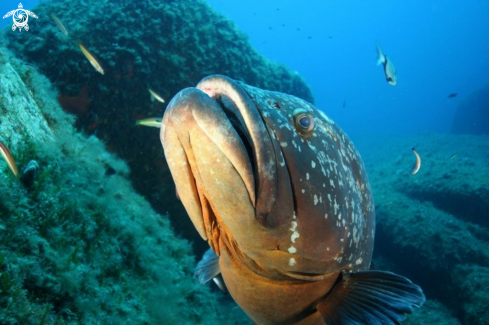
(344, 103)
(9, 159)
(417, 164)
(60, 24)
(452, 95)
(90, 58)
(389, 69)
(454, 156)
(154, 122)
(154, 96)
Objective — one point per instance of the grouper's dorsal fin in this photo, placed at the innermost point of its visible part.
(370, 297)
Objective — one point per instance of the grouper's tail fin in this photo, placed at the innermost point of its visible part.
(371, 297)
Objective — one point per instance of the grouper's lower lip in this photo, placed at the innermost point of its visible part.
(194, 129)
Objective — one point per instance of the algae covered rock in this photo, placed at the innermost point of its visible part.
(433, 226)
(80, 246)
(162, 45)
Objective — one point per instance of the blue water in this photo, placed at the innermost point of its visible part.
(438, 48)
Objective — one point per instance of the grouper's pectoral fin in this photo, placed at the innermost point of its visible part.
(208, 268)
(370, 298)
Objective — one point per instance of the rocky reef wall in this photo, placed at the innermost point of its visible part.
(79, 245)
(432, 226)
(164, 45)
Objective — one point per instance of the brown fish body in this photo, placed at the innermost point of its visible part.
(280, 194)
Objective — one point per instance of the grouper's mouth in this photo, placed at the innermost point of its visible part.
(232, 113)
(217, 117)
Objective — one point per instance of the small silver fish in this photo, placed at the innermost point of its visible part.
(58, 22)
(389, 69)
(152, 122)
(155, 95)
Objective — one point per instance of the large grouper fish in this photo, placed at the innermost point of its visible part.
(281, 195)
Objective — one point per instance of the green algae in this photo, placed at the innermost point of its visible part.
(81, 246)
(165, 45)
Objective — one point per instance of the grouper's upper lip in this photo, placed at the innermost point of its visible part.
(239, 125)
(272, 190)
(237, 103)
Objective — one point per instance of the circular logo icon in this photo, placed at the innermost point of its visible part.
(20, 18)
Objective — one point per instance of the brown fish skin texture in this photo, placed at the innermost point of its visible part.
(219, 205)
(280, 264)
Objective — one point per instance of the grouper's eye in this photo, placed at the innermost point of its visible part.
(303, 122)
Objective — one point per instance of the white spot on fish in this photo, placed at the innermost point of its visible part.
(336, 206)
(331, 182)
(315, 199)
(326, 216)
(303, 191)
(292, 261)
(307, 176)
(338, 259)
(313, 164)
(358, 261)
(283, 144)
(295, 234)
(292, 250)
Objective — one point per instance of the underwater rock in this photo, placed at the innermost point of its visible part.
(431, 225)
(474, 279)
(432, 313)
(162, 45)
(30, 173)
(81, 247)
(454, 177)
(472, 115)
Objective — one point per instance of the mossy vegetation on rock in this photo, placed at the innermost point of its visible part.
(165, 45)
(80, 246)
(432, 226)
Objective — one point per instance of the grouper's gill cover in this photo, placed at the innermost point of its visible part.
(287, 212)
